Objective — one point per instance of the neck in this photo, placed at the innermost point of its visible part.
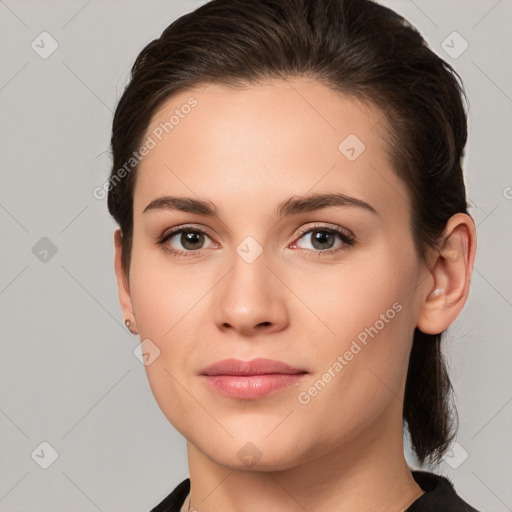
(367, 473)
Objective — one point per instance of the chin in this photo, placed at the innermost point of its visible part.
(273, 462)
(259, 454)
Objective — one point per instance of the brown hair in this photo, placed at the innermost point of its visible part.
(357, 47)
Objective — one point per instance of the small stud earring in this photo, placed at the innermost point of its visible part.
(128, 324)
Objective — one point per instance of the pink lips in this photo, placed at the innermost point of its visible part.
(250, 379)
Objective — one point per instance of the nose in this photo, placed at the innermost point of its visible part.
(251, 299)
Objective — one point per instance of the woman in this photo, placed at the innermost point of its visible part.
(293, 241)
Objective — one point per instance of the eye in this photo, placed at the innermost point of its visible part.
(186, 241)
(323, 239)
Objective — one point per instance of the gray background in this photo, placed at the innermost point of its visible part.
(68, 375)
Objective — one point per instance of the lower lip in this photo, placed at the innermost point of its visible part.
(251, 386)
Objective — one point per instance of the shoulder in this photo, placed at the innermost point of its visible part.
(440, 495)
(174, 501)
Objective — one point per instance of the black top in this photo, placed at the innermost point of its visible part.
(440, 496)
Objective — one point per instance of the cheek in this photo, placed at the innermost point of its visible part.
(163, 293)
(357, 294)
(360, 373)
(166, 303)
(367, 322)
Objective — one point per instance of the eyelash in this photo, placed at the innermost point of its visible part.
(348, 241)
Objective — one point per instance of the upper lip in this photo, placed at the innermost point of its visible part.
(258, 366)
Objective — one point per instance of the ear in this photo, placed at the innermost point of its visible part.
(123, 286)
(451, 268)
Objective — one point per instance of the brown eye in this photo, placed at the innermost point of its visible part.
(324, 240)
(192, 240)
(184, 241)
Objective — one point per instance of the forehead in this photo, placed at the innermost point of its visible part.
(262, 142)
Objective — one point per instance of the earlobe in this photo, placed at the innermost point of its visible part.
(451, 273)
(123, 286)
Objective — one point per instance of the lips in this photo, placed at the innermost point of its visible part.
(250, 380)
(258, 366)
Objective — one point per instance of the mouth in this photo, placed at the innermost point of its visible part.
(258, 366)
(250, 379)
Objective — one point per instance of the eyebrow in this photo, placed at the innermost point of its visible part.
(292, 206)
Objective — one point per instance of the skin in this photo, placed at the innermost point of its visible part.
(246, 151)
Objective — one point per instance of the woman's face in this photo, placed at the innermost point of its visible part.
(269, 277)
